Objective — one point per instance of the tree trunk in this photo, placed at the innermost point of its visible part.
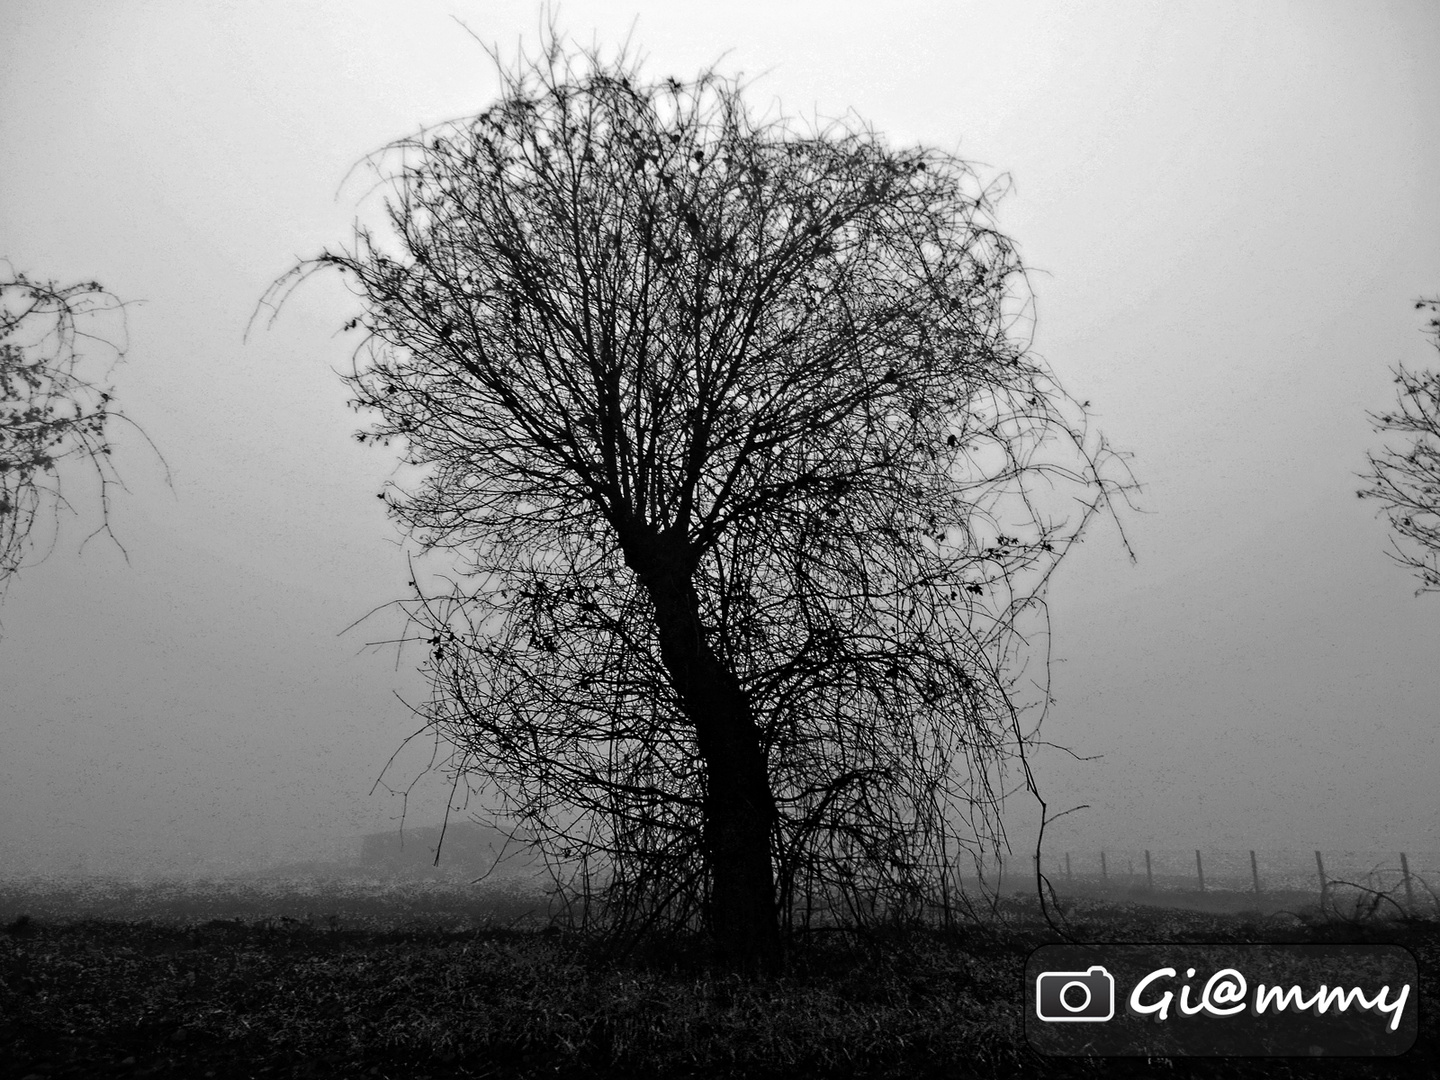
(739, 805)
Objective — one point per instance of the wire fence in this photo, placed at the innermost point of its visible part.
(1408, 880)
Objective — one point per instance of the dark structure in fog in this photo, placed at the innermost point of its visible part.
(462, 848)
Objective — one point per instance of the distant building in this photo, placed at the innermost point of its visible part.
(465, 848)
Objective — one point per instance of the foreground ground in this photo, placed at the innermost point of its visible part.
(414, 981)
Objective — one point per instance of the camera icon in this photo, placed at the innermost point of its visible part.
(1063, 996)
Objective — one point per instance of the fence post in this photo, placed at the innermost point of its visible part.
(1199, 870)
(1320, 868)
(1104, 876)
(1254, 873)
(1409, 892)
(1068, 875)
(1149, 881)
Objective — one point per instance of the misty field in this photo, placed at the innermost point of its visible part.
(369, 977)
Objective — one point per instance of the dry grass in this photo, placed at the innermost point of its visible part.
(388, 980)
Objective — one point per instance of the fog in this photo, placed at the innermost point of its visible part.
(1229, 211)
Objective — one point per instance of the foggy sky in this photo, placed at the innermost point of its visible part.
(1228, 211)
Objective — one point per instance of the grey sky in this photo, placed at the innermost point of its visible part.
(1228, 208)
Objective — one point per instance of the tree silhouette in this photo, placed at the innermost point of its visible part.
(49, 411)
(1407, 481)
(749, 483)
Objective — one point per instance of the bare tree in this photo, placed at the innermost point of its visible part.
(1407, 480)
(750, 483)
(49, 411)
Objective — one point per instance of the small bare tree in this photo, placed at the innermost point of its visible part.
(1407, 480)
(49, 410)
(752, 484)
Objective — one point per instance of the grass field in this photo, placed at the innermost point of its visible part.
(372, 978)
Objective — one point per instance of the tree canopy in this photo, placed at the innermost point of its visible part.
(51, 408)
(732, 430)
(1406, 481)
